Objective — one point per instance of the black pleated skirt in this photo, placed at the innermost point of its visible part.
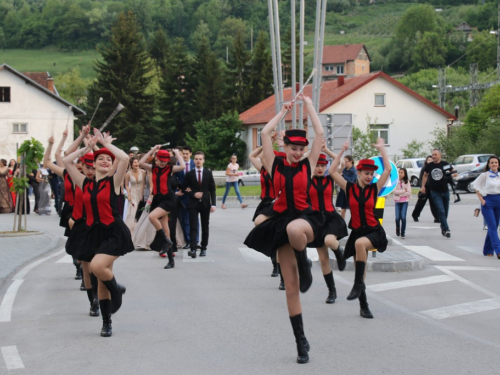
(66, 213)
(76, 238)
(376, 236)
(268, 236)
(167, 202)
(114, 240)
(265, 208)
(333, 224)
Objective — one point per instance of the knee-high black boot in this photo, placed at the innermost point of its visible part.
(116, 291)
(359, 284)
(339, 255)
(106, 330)
(94, 305)
(94, 310)
(275, 272)
(332, 292)
(78, 275)
(158, 241)
(282, 280)
(167, 244)
(364, 310)
(304, 265)
(302, 344)
(171, 263)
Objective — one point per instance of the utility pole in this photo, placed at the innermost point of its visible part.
(473, 84)
(498, 44)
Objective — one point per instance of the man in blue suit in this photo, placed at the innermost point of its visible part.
(187, 152)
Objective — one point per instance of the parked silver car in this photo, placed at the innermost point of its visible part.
(466, 163)
(250, 177)
(413, 167)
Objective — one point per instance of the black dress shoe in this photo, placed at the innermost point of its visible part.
(82, 286)
(203, 253)
(186, 246)
(192, 253)
(415, 219)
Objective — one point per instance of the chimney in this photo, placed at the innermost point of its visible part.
(50, 84)
(340, 81)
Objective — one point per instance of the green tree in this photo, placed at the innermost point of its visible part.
(239, 69)
(72, 87)
(261, 76)
(429, 51)
(158, 50)
(483, 51)
(123, 76)
(218, 139)
(362, 144)
(414, 149)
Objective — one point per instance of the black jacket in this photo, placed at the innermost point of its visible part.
(207, 187)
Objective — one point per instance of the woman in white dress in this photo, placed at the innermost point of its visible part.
(144, 232)
(134, 184)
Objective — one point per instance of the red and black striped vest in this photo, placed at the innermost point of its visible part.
(321, 194)
(266, 185)
(160, 179)
(100, 201)
(291, 185)
(362, 203)
(69, 189)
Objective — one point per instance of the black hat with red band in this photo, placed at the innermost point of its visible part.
(163, 155)
(296, 137)
(367, 164)
(322, 160)
(104, 151)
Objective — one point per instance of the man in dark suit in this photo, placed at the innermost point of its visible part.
(199, 186)
(187, 152)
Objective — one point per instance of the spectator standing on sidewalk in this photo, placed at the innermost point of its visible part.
(402, 195)
(487, 187)
(232, 181)
(439, 172)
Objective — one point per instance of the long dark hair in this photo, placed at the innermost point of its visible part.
(487, 167)
(427, 157)
(405, 178)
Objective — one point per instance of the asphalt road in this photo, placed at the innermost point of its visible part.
(224, 314)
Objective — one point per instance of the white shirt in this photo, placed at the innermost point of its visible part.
(487, 185)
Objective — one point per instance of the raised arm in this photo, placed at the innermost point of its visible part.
(182, 164)
(142, 162)
(387, 164)
(265, 135)
(334, 168)
(74, 173)
(59, 158)
(318, 131)
(47, 163)
(254, 158)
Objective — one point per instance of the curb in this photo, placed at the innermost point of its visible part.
(55, 243)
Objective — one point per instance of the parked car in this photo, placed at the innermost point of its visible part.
(413, 167)
(250, 177)
(464, 180)
(466, 163)
(220, 178)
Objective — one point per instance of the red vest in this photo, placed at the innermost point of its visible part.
(100, 201)
(160, 179)
(291, 185)
(69, 191)
(266, 185)
(78, 207)
(362, 203)
(321, 194)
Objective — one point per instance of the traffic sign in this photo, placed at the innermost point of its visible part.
(392, 181)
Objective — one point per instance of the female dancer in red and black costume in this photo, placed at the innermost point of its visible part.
(69, 189)
(367, 233)
(76, 238)
(164, 200)
(293, 223)
(334, 228)
(107, 236)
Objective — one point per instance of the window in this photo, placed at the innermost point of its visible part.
(483, 159)
(4, 94)
(340, 69)
(329, 68)
(468, 159)
(259, 139)
(19, 128)
(408, 164)
(380, 131)
(420, 163)
(459, 160)
(379, 100)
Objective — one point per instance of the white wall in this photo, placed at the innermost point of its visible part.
(44, 115)
(407, 117)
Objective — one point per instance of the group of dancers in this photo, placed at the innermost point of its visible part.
(296, 211)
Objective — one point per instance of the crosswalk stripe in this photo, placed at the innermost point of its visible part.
(252, 255)
(409, 283)
(470, 249)
(433, 254)
(12, 358)
(471, 268)
(463, 309)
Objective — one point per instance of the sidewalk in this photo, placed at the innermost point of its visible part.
(16, 252)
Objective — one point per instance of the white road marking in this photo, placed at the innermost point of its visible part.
(12, 358)
(433, 254)
(66, 259)
(463, 309)
(20, 275)
(409, 283)
(470, 268)
(423, 227)
(312, 254)
(252, 255)
(466, 282)
(198, 259)
(470, 249)
(8, 301)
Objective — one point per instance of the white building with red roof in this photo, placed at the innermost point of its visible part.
(30, 106)
(375, 102)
